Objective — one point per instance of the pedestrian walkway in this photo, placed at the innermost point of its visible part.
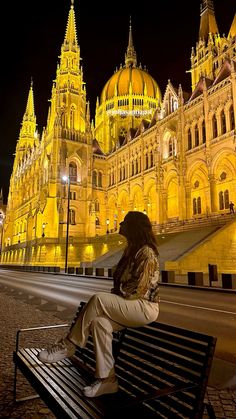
(15, 314)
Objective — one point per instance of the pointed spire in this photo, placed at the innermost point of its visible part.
(29, 119)
(88, 112)
(71, 36)
(130, 56)
(232, 31)
(29, 112)
(208, 21)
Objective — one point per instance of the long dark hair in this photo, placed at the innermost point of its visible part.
(139, 231)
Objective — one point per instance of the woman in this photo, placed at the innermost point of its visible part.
(133, 302)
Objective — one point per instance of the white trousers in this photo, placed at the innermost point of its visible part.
(106, 313)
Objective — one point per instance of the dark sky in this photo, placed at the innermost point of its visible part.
(163, 31)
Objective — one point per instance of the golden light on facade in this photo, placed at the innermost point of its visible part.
(147, 153)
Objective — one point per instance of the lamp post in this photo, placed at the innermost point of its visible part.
(107, 223)
(67, 179)
(43, 229)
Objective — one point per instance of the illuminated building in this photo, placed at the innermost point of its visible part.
(171, 156)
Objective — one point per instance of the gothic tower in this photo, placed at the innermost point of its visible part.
(211, 48)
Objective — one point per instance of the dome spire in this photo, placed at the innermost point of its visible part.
(130, 56)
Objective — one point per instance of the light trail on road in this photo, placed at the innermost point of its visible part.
(199, 307)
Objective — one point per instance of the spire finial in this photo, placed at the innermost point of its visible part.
(130, 56)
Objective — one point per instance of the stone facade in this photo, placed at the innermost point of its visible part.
(172, 157)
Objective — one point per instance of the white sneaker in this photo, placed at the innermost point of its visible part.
(102, 386)
(57, 352)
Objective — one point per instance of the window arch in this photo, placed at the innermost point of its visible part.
(73, 172)
(214, 127)
(194, 206)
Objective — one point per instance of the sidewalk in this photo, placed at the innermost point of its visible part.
(15, 314)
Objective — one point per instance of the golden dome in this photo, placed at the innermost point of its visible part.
(136, 79)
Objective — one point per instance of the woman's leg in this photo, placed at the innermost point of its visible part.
(104, 314)
(127, 313)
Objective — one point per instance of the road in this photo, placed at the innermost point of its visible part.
(210, 312)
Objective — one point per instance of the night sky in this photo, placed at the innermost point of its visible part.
(31, 44)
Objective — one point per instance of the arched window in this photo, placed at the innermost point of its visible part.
(199, 205)
(139, 164)
(146, 161)
(203, 132)
(189, 139)
(214, 127)
(73, 172)
(221, 201)
(100, 179)
(223, 122)
(231, 118)
(196, 136)
(97, 207)
(151, 159)
(72, 216)
(132, 168)
(97, 222)
(194, 206)
(94, 178)
(72, 118)
(226, 198)
(170, 147)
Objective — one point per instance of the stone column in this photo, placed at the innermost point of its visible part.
(213, 193)
(189, 210)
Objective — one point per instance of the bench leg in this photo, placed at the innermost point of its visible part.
(210, 411)
(22, 399)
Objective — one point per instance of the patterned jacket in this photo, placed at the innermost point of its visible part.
(140, 277)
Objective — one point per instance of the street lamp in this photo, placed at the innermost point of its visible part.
(67, 179)
(107, 223)
(43, 229)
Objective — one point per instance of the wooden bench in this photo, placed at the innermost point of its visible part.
(162, 371)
